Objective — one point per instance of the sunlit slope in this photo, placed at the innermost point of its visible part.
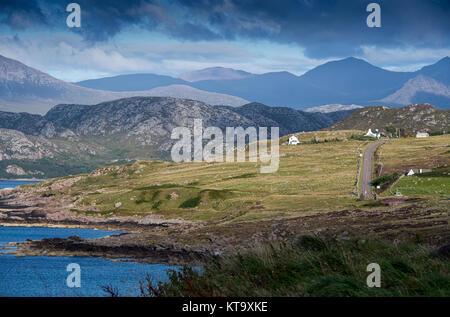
(401, 155)
(312, 177)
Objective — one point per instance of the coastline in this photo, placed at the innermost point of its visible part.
(152, 238)
(52, 225)
(126, 244)
(23, 179)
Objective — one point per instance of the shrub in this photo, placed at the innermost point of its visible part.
(385, 179)
(191, 203)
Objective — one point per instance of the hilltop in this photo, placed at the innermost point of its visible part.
(412, 118)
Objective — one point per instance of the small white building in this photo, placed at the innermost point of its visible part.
(371, 134)
(413, 171)
(422, 135)
(293, 140)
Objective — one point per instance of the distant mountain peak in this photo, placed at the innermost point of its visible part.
(214, 73)
(353, 59)
(419, 84)
(350, 61)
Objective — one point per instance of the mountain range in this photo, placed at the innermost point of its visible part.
(346, 81)
(74, 138)
(25, 89)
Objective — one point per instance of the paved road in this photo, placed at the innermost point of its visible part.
(366, 171)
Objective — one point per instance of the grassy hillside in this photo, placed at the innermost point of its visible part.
(324, 165)
(319, 175)
(400, 155)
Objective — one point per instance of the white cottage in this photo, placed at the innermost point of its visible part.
(371, 134)
(293, 140)
(422, 135)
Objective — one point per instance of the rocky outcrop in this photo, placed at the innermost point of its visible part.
(16, 145)
(415, 117)
(16, 170)
(115, 247)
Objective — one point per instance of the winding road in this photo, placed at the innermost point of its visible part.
(366, 170)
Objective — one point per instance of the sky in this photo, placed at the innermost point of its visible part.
(171, 37)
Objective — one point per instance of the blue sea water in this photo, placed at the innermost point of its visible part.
(12, 183)
(46, 276)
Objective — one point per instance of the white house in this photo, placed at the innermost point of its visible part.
(413, 171)
(372, 134)
(293, 140)
(422, 135)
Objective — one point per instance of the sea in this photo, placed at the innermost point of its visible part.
(62, 276)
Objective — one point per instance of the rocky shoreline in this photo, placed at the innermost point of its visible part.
(113, 249)
(146, 239)
(130, 244)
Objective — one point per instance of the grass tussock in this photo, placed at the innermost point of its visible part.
(312, 266)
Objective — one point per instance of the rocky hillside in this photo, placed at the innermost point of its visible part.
(416, 117)
(78, 138)
(148, 116)
(32, 124)
(24, 156)
(289, 120)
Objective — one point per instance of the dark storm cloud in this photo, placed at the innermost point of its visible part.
(323, 27)
(21, 14)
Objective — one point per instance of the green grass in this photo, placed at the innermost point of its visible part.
(311, 179)
(423, 185)
(400, 155)
(313, 266)
(207, 191)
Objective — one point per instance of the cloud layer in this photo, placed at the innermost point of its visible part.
(174, 36)
(324, 28)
